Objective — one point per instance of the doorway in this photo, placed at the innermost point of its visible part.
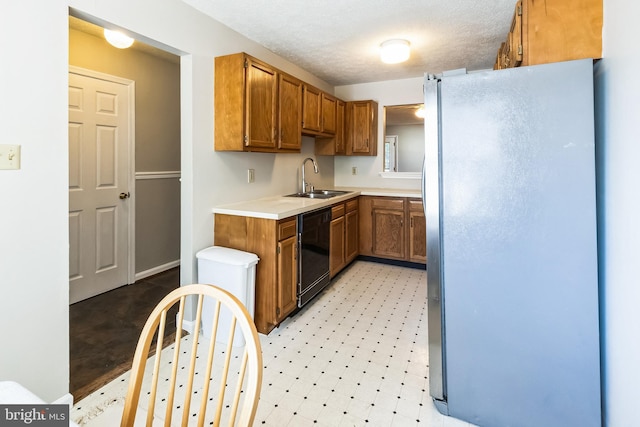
(155, 188)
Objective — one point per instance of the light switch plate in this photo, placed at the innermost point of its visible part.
(9, 156)
(251, 176)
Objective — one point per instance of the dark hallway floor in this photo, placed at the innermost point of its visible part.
(104, 330)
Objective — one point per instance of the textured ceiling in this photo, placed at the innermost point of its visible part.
(338, 40)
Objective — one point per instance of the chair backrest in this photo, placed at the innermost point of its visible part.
(226, 380)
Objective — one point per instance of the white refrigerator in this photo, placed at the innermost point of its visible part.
(512, 273)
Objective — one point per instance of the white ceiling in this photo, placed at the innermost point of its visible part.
(338, 40)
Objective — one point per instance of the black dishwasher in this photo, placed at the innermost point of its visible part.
(313, 266)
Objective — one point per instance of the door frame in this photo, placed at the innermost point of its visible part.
(131, 174)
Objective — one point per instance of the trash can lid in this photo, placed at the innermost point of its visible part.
(228, 256)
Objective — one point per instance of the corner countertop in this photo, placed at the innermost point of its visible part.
(279, 207)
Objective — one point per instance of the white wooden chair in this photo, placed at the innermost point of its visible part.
(225, 380)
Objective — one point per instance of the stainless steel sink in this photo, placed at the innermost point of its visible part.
(319, 194)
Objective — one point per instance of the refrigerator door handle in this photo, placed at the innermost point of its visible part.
(432, 203)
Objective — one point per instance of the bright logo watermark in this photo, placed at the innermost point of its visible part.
(34, 415)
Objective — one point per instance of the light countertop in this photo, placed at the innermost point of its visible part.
(279, 207)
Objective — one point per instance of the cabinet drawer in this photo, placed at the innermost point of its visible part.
(388, 203)
(337, 211)
(352, 205)
(286, 228)
(415, 205)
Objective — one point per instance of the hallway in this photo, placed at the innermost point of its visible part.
(104, 330)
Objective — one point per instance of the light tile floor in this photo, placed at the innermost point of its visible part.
(354, 356)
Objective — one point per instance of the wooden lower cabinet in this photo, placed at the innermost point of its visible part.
(275, 243)
(343, 235)
(287, 277)
(336, 247)
(392, 228)
(417, 232)
(352, 230)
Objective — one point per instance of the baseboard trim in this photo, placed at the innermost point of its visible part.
(155, 270)
(393, 262)
(188, 325)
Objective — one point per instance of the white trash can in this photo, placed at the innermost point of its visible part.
(235, 272)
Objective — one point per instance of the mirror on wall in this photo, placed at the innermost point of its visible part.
(403, 138)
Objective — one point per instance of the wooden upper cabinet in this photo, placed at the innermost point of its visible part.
(262, 87)
(318, 112)
(552, 31)
(256, 106)
(311, 108)
(340, 141)
(513, 47)
(328, 113)
(336, 144)
(362, 128)
(289, 113)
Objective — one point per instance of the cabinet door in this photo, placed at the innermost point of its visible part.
(554, 31)
(388, 232)
(340, 146)
(331, 146)
(362, 128)
(260, 116)
(287, 277)
(336, 247)
(417, 232)
(289, 113)
(351, 236)
(328, 114)
(514, 39)
(311, 108)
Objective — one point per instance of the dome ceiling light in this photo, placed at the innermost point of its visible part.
(118, 39)
(394, 51)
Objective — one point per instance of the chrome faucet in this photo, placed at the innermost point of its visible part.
(315, 169)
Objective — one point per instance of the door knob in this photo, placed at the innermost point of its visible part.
(125, 195)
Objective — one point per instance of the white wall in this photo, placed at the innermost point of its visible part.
(392, 92)
(33, 106)
(34, 261)
(618, 110)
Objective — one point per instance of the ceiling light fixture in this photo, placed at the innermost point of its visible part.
(394, 51)
(118, 39)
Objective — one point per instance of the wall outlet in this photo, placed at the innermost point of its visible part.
(251, 175)
(9, 156)
(354, 170)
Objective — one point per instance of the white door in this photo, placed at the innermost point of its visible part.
(100, 184)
